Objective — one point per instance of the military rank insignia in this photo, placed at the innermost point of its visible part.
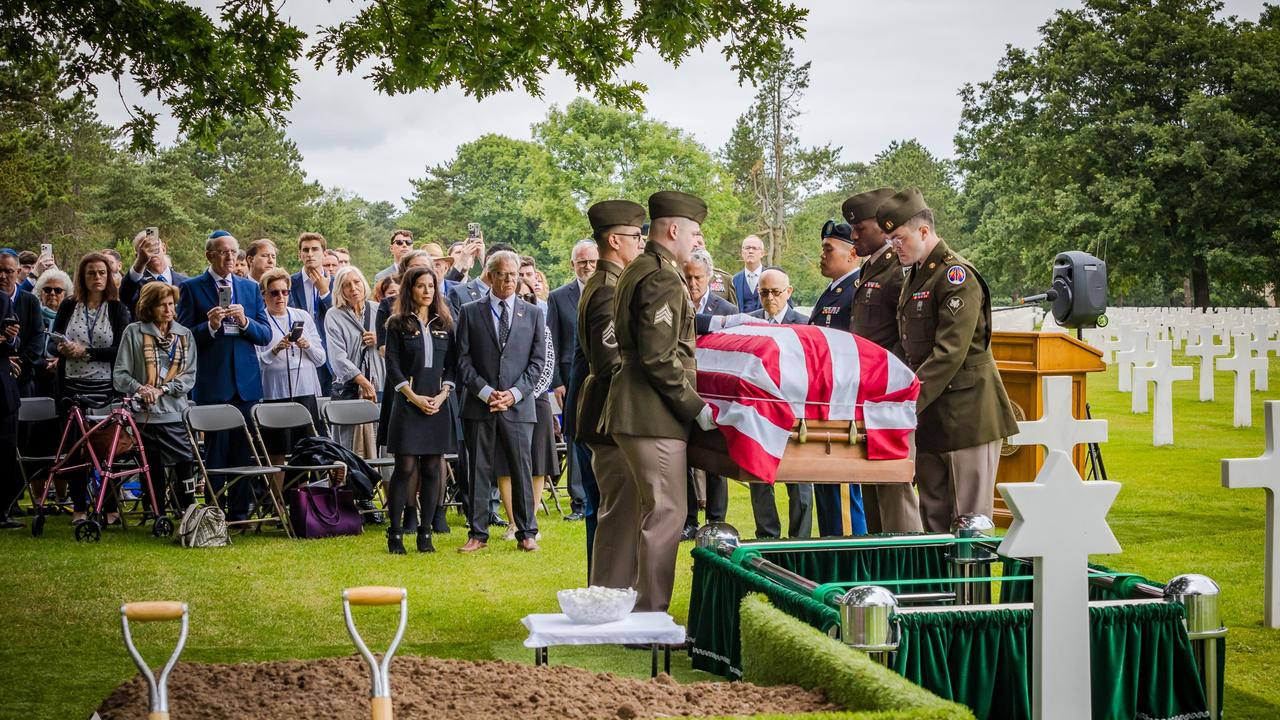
(955, 304)
(663, 315)
(608, 338)
(956, 274)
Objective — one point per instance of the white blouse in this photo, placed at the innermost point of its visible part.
(291, 373)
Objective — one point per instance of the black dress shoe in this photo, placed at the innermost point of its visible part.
(395, 543)
(688, 533)
(424, 542)
(497, 521)
(574, 516)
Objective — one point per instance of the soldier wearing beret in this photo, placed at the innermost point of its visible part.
(615, 225)
(889, 508)
(944, 321)
(653, 400)
(839, 507)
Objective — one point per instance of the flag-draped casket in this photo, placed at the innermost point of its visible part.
(801, 403)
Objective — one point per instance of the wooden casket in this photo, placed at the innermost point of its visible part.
(819, 451)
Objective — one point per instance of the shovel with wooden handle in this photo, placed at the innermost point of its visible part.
(155, 611)
(380, 697)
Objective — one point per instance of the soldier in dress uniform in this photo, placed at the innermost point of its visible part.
(944, 322)
(653, 400)
(839, 507)
(615, 226)
(889, 508)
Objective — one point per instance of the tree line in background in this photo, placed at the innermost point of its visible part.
(1147, 133)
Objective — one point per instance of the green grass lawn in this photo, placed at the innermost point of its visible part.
(267, 598)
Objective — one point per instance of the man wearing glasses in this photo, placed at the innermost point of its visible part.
(31, 326)
(227, 338)
(401, 243)
(562, 321)
(839, 506)
(889, 508)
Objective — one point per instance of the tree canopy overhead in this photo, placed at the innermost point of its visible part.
(241, 64)
(1144, 131)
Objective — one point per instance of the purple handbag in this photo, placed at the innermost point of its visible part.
(319, 512)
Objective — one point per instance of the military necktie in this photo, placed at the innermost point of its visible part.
(504, 325)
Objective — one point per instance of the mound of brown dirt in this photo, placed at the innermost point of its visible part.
(424, 687)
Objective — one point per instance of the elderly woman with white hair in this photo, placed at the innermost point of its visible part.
(358, 367)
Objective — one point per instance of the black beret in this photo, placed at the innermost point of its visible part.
(863, 206)
(900, 208)
(609, 213)
(671, 203)
(839, 231)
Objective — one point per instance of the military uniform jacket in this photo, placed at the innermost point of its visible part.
(944, 321)
(875, 300)
(834, 308)
(654, 393)
(599, 345)
(721, 283)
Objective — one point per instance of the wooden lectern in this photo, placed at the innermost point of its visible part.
(1023, 358)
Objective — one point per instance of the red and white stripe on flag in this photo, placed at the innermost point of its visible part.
(759, 379)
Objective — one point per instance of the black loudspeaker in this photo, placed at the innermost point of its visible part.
(1080, 280)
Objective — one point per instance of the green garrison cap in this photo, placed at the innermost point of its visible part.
(900, 208)
(671, 203)
(608, 213)
(863, 206)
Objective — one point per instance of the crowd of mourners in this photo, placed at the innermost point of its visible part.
(476, 365)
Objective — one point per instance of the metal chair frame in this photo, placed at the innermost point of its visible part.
(226, 418)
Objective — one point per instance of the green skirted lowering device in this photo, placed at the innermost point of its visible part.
(919, 603)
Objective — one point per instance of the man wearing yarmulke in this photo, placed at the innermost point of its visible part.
(944, 322)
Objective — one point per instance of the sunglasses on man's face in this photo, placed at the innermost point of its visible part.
(403, 242)
(772, 292)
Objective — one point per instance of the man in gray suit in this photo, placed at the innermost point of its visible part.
(774, 288)
(501, 353)
(706, 304)
(562, 321)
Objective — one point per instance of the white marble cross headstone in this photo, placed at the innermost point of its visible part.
(1264, 472)
(1059, 520)
(1057, 428)
(1263, 345)
(1139, 354)
(1242, 363)
(1206, 349)
(1108, 345)
(1164, 374)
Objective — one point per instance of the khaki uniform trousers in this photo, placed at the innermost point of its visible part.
(659, 472)
(616, 544)
(891, 508)
(956, 483)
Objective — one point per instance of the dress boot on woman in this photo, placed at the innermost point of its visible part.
(395, 543)
(424, 541)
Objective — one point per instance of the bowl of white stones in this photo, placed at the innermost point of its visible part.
(596, 605)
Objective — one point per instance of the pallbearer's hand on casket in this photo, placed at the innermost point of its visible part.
(705, 419)
(724, 322)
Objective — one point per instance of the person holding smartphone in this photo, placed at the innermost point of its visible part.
(290, 359)
(150, 264)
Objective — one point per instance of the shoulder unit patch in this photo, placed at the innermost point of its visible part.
(956, 274)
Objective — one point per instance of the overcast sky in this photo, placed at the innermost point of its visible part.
(882, 71)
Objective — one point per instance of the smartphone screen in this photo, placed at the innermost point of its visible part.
(295, 332)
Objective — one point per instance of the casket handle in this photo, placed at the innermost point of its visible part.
(804, 431)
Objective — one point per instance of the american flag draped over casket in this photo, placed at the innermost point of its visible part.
(760, 379)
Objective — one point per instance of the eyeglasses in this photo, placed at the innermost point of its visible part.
(772, 292)
(277, 293)
(52, 290)
(8, 271)
(225, 253)
(504, 275)
(403, 242)
(584, 263)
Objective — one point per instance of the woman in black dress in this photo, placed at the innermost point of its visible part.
(420, 430)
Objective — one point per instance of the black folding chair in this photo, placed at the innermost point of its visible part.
(34, 410)
(201, 419)
(289, 416)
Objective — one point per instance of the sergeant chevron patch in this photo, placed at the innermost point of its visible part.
(607, 337)
(663, 315)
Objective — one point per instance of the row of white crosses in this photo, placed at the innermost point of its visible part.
(1141, 342)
